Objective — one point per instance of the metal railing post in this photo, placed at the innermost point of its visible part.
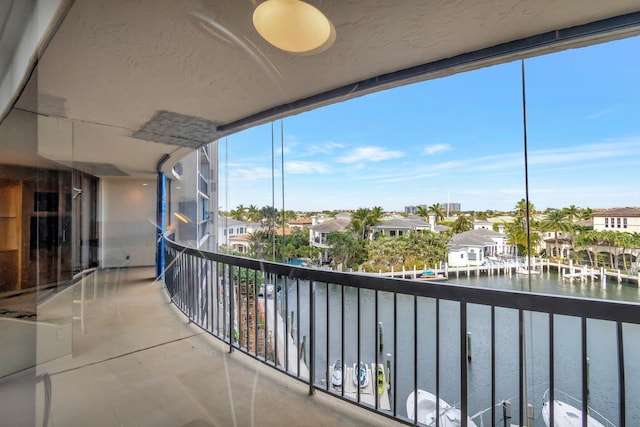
(621, 374)
(231, 308)
(463, 363)
(312, 341)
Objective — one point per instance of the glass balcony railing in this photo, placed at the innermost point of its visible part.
(391, 345)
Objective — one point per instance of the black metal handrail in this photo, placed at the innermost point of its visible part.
(216, 292)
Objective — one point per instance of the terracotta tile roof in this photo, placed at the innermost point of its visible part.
(628, 212)
(301, 221)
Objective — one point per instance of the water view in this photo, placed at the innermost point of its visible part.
(601, 344)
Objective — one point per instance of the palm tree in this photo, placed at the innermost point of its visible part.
(571, 212)
(585, 239)
(257, 244)
(268, 216)
(517, 236)
(594, 239)
(624, 241)
(423, 212)
(462, 223)
(520, 212)
(585, 214)
(437, 210)
(556, 220)
(253, 213)
(238, 213)
(363, 221)
(609, 238)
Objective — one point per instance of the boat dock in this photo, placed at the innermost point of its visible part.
(367, 393)
(568, 272)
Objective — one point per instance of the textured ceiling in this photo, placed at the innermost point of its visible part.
(113, 65)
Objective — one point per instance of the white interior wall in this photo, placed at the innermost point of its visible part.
(127, 212)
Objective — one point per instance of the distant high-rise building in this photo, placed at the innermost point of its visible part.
(450, 207)
(411, 210)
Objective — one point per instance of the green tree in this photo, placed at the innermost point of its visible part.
(268, 216)
(461, 224)
(438, 210)
(415, 249)
(517, 236)
(253, 213)
(556, 221)
(585, 214)
(238, 213)
(363, 220)
(483, 215)
(624, 241)
(571, 212)
(609, 238)
(258, 244)
(286, 216)
(423, 212)
(585, 240)
(520, 212)
(345, 249)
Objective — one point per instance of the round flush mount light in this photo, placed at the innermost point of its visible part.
(293, 26)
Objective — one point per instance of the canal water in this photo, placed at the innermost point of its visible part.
(419, 343)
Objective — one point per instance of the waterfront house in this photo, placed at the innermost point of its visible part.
(318, 233)
(229, 228)
(480, 224)
(300, 223)
(240, 243)
(475, 246)
(617, 219)
(565, 244)
(401, 226)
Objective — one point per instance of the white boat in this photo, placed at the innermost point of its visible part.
(336, 374)
(360, 375)
(268, 288)
(566, 415)
(428, 411)
(431, 275)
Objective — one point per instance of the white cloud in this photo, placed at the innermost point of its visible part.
(296, 148)
(327, 147)
(370, 154)
(300, 167)
(436, 148)
(598, 114)
(252, 174)
(556, 156)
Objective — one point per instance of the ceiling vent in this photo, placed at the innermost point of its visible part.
(177, 129)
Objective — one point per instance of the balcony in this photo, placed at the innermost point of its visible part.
(475, 348)
(136, 360)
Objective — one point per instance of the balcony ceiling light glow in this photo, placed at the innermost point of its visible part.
(182, 217)
(293, 26)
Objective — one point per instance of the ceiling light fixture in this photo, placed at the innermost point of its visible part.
(293, 26)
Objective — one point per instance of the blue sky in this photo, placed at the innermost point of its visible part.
(459, 138)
